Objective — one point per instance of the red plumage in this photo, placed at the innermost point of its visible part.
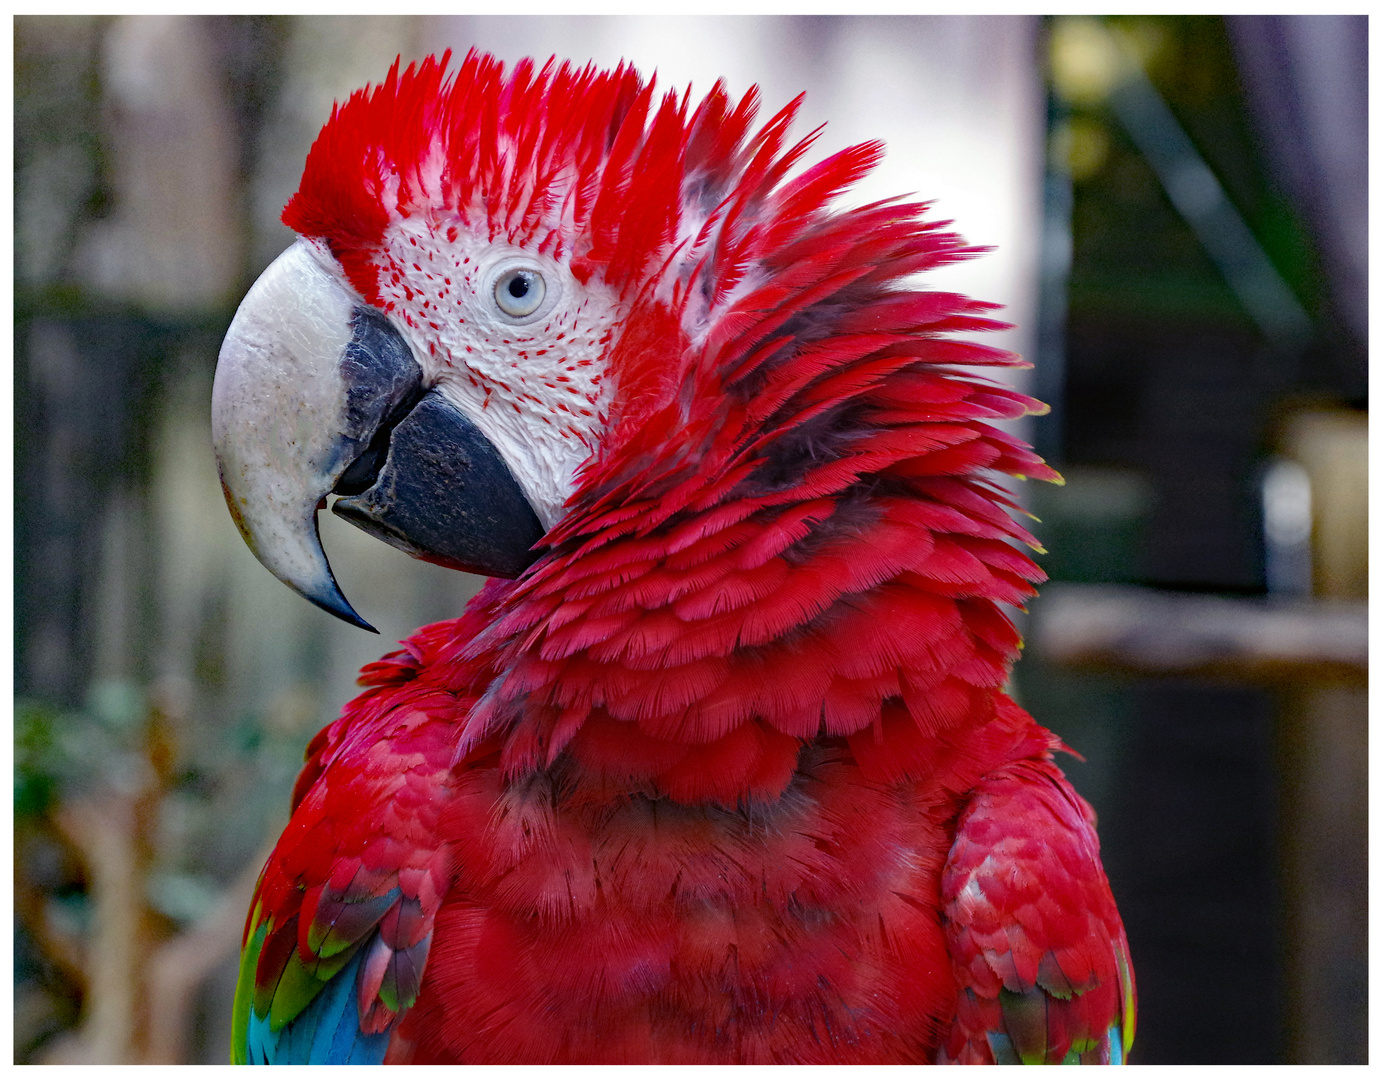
(729, 773)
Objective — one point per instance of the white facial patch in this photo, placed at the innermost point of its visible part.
(512, 339)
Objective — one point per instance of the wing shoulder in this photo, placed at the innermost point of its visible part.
(1039, 952)
(341, 924)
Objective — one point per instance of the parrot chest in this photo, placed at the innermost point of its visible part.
(805, 930)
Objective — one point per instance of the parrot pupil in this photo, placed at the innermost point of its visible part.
(519, 286)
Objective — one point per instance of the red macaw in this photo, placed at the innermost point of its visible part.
(719, 767)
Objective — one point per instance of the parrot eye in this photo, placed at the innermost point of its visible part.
(519, 287)
(519, 292)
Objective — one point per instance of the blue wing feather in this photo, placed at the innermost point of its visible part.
(326, 1032)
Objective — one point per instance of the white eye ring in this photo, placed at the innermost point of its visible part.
(519, 291)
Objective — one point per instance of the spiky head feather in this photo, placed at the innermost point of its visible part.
(532, 158)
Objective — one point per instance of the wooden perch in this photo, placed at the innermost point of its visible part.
(1128, 628)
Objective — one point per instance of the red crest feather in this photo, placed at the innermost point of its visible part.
(560, 159)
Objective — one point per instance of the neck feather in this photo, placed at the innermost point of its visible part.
(801, 540)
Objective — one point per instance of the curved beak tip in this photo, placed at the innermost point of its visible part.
(336, 603)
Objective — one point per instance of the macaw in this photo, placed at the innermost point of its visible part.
(719, 766)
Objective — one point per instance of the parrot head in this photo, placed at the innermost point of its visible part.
(492, 279)
(529, 312)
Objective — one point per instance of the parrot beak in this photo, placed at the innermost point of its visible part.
(316, 393)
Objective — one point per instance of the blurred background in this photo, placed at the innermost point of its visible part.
(1178, 207)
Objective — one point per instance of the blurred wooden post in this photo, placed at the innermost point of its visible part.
(1324, 754)
(106, 835)
(172, 243)
(1324, 843)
